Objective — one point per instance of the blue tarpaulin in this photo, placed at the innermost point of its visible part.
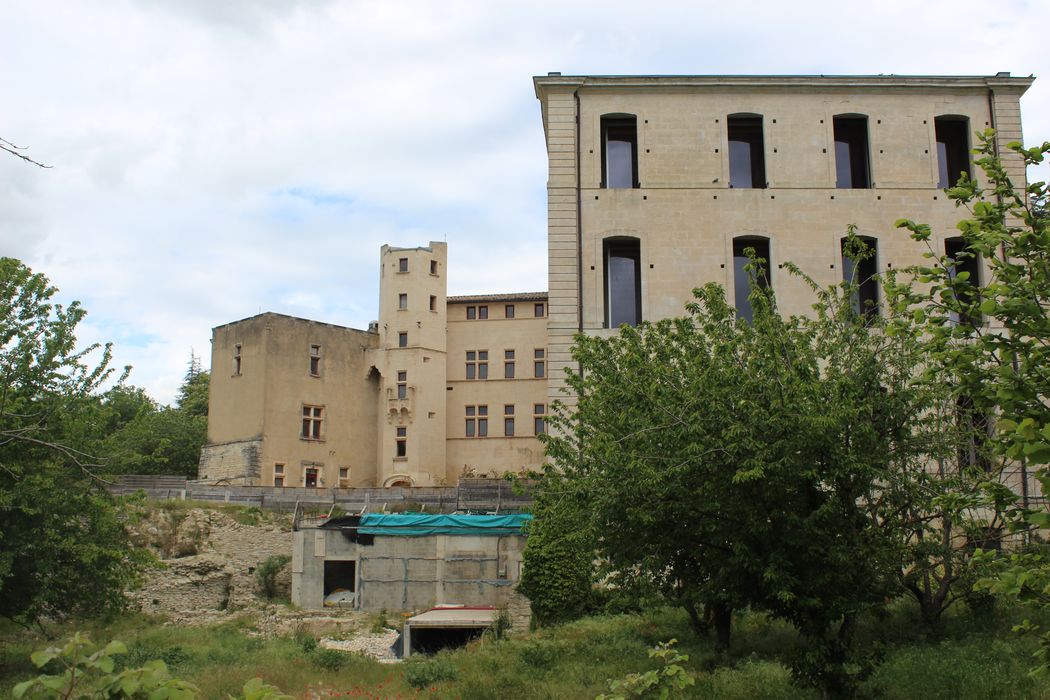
(417, 525)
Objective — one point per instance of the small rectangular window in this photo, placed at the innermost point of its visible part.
(851, 152)
(310, 476)
(344, 476)
(237, 358)
(278, 481)
(508, 420)
(619, 151)
(401, 442)
(402, 340)
(433, 267)
(539, 364)
(433, 303)
(539, 424)
(402, 265)
(747, 160)
(278, 468)
(508, 364)
(508, 311)
(472, 313)
(402, 385)
(315, 360)
(953, 149)
(483, 364)
(402, 301)
(483, 312)
(539, 311)
(312, 419)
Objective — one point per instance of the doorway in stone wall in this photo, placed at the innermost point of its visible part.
(311, 477)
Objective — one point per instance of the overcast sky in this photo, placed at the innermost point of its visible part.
(218, 158)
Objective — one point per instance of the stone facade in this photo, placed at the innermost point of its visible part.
(420, 399)
(644, 173)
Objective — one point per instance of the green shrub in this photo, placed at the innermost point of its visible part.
(266, 574)
(542, 654)
(421, 671)
(380, 623)
(328, 659)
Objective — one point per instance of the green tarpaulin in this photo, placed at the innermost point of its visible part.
(417, 525)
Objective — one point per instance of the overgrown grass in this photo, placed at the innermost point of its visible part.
(966, 657)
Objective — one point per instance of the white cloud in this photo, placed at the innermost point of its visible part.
(215, 159)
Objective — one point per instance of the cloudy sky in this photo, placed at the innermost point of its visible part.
(218, 158)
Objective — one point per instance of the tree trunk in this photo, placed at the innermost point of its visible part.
(723, 619)
(701, 625)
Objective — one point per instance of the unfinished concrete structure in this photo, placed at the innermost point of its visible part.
(401, 562)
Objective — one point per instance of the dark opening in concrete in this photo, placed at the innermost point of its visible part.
(339, 574)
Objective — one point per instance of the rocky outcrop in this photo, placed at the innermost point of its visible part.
(207, 562)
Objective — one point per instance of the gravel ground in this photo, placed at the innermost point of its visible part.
(376, 645)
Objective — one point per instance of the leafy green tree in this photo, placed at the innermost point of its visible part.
(770, 464)
(139, 437)
(63, 549)
(992, 334)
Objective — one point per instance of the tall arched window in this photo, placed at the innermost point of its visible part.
(747, 158)
(742, 280)
(851, 152)
(953, 148)
(965, 260)
(619, 151)
(623, 281)
(862, 273)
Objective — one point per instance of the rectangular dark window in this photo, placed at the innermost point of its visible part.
(508, 311)
(278, 481)
(539, 422)
(862, 273)
(953, 149)
(741, 278)
(747, 159)
(851, 152)
(964, 260)
(402, 340)
(472, 313)
(310, 477)
(508, 364)
(619, 151)
(472, 364)
(483, 364)
(315, 360)
(539, 311)
(278, 474)
(402, 265)
(433, 302)
(477, 421)
(623, 282)
(402, 385)
(433, 267)
(401, 442)
(483, 312)
(539, 364)
(402, 301)
(508, 420)
(312, 419)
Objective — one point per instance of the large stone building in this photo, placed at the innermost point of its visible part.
(438, 387)
(656, 185)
